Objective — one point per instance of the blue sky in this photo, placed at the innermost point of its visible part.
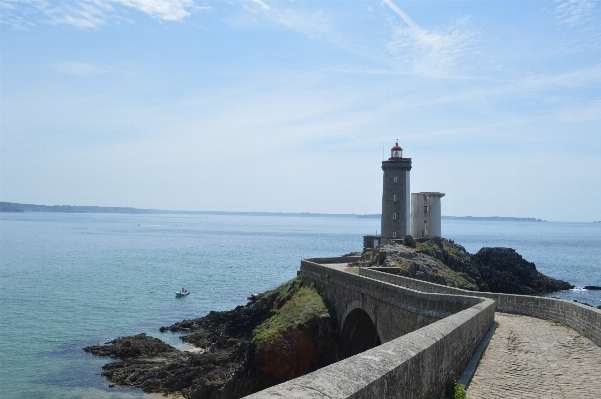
(288, 105)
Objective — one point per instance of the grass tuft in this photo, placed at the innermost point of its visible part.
(556, 323)
(455, 391)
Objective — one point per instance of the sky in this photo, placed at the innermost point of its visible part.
(290, 106)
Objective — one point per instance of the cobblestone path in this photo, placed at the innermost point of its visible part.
(533, 358)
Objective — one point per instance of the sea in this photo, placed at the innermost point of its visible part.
(71, 280)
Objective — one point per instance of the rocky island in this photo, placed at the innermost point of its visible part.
(442, 261)
(290, 331)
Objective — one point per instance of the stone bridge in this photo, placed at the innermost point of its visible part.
(405, 338)
(371, 312)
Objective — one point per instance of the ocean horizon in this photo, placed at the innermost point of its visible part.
(70, 279)
(16, 207)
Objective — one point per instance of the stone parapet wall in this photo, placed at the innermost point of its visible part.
(428, 338)
(417, 365)
(339, 259)
(584, 319)
(394, 310)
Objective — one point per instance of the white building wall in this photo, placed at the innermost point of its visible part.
(434, 216)
(426, 214)
(417, 217)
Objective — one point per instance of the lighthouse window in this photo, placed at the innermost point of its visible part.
(395, 197)
(394, 234)
(395, 179)
(394, 215)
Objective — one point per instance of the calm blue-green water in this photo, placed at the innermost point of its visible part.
(70, 280)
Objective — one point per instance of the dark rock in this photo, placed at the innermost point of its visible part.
(587, 304)
(409, 241)
(506, 271)
(592, 287)
(226, 363)
(140, 345)
(380, 256)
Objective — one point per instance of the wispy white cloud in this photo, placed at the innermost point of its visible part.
(17, 13)
(168, 10)
(430, 52)
(578, 78)
(401, 14)
(313, 23)
(77, 68)
(80, 14)
(574, 12)
(263, 5)
(85, 14)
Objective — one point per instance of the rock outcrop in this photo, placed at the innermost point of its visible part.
(504, 270)
(277, 336)
(435, 260)
(441, 261)
(140, 345)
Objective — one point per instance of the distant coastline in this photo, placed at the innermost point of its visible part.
(17, 207)
(20, 208)
(493, 219)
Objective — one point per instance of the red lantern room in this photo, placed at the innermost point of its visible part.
(396, 152)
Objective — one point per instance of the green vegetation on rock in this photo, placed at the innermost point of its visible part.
(425, 248)
(455, 391)
(283, 292)
(305, 305)
(450, 252)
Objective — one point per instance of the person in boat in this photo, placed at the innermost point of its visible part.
(183, 291)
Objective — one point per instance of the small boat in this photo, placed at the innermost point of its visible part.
(181, 294)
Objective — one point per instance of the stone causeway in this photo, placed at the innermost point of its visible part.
(406, 338)
(534, 358)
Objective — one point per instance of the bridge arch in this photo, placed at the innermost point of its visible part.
(359, 332)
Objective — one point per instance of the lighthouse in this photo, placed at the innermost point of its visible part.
(396, 196)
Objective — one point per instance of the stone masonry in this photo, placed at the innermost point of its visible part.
(584, 319)
(395, 311)
(411, 362)
(422, 349)
(396, 198)
(538, 359)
